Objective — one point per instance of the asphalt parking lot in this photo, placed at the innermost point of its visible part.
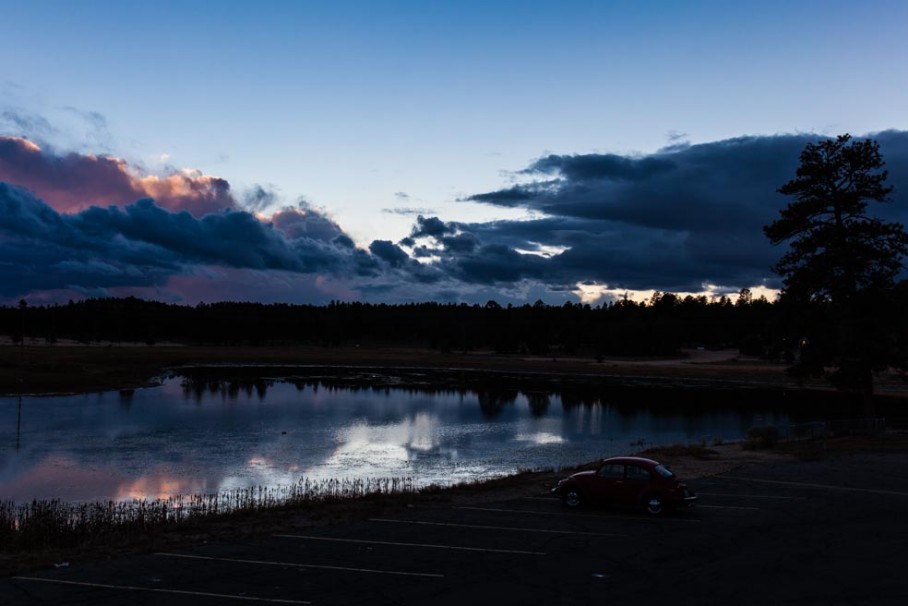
(825, 532)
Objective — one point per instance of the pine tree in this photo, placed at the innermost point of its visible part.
(839, 255)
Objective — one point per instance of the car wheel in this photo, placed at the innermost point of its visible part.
(572, 498)
(654, 505)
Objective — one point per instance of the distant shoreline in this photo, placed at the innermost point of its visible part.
(39, 369)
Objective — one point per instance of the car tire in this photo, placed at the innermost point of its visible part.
(572, 498)
(653, 505)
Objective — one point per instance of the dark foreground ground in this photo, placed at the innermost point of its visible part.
(782, 531)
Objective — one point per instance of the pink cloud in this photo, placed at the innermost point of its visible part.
(61, 473)
(74, 182)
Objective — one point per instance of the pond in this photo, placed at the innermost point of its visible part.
(195, 438)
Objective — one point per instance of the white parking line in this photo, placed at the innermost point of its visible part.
(300, 565)
(821, 486)
(750, 496)
(224, 596)
(570, 515)
(510, 528)
(449, 547)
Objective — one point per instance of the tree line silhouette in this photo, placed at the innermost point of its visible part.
(661, 326)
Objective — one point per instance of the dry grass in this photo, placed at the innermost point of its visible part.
(54, 524)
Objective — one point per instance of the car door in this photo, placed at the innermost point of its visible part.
(637, 480)
(608, 483)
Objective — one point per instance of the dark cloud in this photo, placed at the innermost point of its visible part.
(389, 252)
(431, 226)
(679, 219)
(608, 166)
(142, 244)
(344, 241)
(518, 195)
(461, 243)
(496, 263)
(304, 222)
(422, 252)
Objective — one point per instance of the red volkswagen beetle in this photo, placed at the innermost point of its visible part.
(627, 481)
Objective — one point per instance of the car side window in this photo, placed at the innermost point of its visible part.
(611, 471)
(637, 474)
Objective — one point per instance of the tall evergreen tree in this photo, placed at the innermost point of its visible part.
(839, 255)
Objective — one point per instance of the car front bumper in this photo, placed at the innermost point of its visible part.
(688, 501)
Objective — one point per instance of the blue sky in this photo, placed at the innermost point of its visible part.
(374, 112)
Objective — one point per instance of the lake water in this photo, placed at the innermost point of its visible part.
(170, 440)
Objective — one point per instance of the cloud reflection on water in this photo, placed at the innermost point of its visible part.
(163, 443)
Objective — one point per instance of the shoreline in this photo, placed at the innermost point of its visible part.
(45, 370)
(690, 463)
(37, 370)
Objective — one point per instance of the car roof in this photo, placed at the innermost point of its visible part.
(641, 461)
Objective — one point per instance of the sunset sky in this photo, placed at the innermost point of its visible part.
(406, 151)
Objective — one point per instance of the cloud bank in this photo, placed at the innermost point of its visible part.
(142, 244)
(72, 182)
(77, 225)
(677, 220)
(683, 219)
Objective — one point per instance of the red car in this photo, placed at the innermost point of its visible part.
(627, 481)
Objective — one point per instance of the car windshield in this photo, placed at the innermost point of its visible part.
(663, 471)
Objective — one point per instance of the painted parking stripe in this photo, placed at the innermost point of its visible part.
(301, 565)
(751, 496)
(509, 528)
(569, 515)
(820, 486)
(424, 545)
(223, 596)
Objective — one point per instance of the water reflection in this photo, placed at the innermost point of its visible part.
(539, 402)
(207, 435)
(18, 423)
(493, 403)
